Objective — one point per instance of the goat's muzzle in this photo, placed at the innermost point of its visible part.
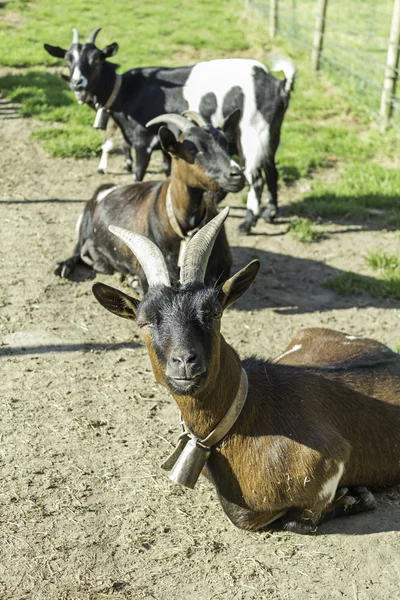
(185, 371)
(236, 179)
(79, 92)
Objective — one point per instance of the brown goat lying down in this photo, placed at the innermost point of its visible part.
(168, 212)
(320, 421)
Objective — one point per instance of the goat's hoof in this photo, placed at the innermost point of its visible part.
(100, 171)
(355, 500)
(64, 269)
(300, 527)
(249, 221)
(269, 213)
(244, 227)
(365, 497)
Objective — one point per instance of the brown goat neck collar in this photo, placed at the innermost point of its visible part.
(191, 453)
(114, 93)
(174, 222)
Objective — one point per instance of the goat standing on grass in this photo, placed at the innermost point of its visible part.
(108, 132)
(318, 423)
(168, 212)
(213, 89)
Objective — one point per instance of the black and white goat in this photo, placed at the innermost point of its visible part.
(213, 89)
(296, 438)
(168, 212)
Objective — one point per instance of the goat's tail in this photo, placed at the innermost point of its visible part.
(289, 70)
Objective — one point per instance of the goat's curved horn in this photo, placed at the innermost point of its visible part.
(180, 122)
(92, 37)
(199, 249)
(75, 36)
(195, 117)
(147, 253)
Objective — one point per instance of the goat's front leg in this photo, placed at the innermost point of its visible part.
(126, 148)
(253, 202)
(143, 155)
(166, 164)
(64, 268)
(107, 146)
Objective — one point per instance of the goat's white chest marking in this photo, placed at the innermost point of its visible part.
(330, 486)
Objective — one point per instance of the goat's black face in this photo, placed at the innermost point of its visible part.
(209, 148)
(180, 326)
(85, 64)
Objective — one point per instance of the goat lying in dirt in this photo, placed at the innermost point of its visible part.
(168, 212)
(309, 429)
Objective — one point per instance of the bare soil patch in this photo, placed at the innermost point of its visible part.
(86, 512)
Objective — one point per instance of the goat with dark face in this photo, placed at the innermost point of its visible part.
(319, 423)
(166, 212)
(213, 89)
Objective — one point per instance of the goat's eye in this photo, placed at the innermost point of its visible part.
(145, 324)
(191, 147)
(217, 313)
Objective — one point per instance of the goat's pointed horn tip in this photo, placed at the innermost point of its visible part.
(225, 212)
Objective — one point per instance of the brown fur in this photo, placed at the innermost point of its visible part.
(323, 417)
(295, 429)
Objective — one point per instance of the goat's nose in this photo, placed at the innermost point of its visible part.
(184, 364)
(184, 358)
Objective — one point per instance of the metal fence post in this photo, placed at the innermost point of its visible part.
(318, 35)
(392, 61)
(273, 17)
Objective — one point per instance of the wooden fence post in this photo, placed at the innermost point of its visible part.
(318, 35)
(392, 61)
(273, 17)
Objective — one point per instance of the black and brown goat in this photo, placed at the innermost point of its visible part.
(166, 212)
(320, 421)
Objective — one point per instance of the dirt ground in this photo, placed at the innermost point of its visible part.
(86, 512)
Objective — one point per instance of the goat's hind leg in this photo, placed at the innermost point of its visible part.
(346, 502)
(271, 174)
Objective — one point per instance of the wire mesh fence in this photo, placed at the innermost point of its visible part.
(355, 44)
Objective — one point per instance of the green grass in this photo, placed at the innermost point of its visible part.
(386, 285)
(362, 190)
(388, 263)
(306, 231)
(147, 32)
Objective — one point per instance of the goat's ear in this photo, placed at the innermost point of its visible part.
(55, 51)
(109, 51)
(115, 301)
(230, 124)
(168, 141)
(234, 287)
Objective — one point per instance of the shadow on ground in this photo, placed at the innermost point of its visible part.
(294, 285)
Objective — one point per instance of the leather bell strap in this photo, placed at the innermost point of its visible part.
(191, 453)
